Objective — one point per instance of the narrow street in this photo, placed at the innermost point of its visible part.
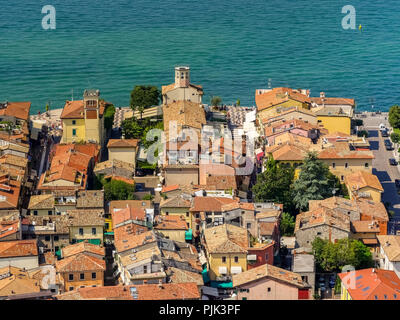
(385, 172)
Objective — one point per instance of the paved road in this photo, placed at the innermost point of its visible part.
(381, 167)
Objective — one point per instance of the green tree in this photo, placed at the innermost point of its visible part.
(331, 257)
(394, 116)
(274, 184)
(395, 137)
(114, 189)
(313, 182)
(143, 97)
(148, 197)
(156, 125)
(287, 224)
(132, 129)
(109, 116)
(216, 101)
(340, 188)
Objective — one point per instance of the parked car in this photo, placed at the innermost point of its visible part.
(384, 133)
(387, 142)
(397, 183)
(389, 147)
(392, 162)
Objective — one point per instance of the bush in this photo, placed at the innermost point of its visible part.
(109, 117)
(362, 133)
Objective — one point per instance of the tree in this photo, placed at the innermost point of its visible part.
(148, 197)
(143, 97)
(132, 129)
(216, 101)
(394, 116)
(395, 137)
(331, 257)
(114, 189)
(287, 224)
(335, 185)
(313, 182)
(274, 184)
(109, 116)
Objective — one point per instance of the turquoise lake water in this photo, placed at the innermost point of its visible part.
(232, 47)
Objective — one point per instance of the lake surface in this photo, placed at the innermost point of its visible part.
(232, 47)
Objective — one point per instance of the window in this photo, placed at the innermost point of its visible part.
(266, 256)
(93, 275)
(248, 225)
(56, 238)
(71, 277)
(197, 215)
(28, 213)
(318, 233)
(82, 276)
(35, 212)
(223, 259)
(81, 231)
(56, 248)
(197, 227)
(74, 132)
(144, 269)
(269, 289)
(187, 214)
(50, 213)
(94, 231)
(333, 165)
(342, 178)
(47, 238)
(366, 165)
(167, 213)
(71, 288)
(346, 165)
(236, 259)
(304, 278)
(73, 122)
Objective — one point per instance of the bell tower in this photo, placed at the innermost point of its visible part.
(182, 77)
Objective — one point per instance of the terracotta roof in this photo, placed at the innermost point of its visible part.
(82, 247)
(80, 262)
(122, 204)
(222, 182)
(391, 246)
(322, 216)
(73, 110)
(167, 291)
(176, 202)
(114, 164)
(373, 209)
(90, 199)
(288, 152)
(86, 217)
(10, 193)
(277, 96)
(16, 282)
(18, 248)
(334, 203)
(183, 276)
(185, 113)
(149, 254)
(11, 159)
(226, 238)
(271, 272)
(170, 188)
(170, 223)
(124, 240)
(127, 214)
(19, 110)
(267, 228)
(170, 87)
(341, 150)
(42, 201)
(218, 204)
(365, 226)
(362, 179)
(123, 143)
(332, 101)
(9, 227)
(371, 284)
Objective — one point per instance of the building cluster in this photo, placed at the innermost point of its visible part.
(202, 236)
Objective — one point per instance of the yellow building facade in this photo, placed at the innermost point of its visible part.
(225, 261)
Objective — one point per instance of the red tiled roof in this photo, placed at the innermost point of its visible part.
(170, 223)
(123, 143)
(80, 262)
(18, 248)
(129, 213)
(371, 284)
(277, 96)
(19, 110)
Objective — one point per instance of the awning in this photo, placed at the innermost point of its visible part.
(189, 235)
(260, 156)
(369, 241)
